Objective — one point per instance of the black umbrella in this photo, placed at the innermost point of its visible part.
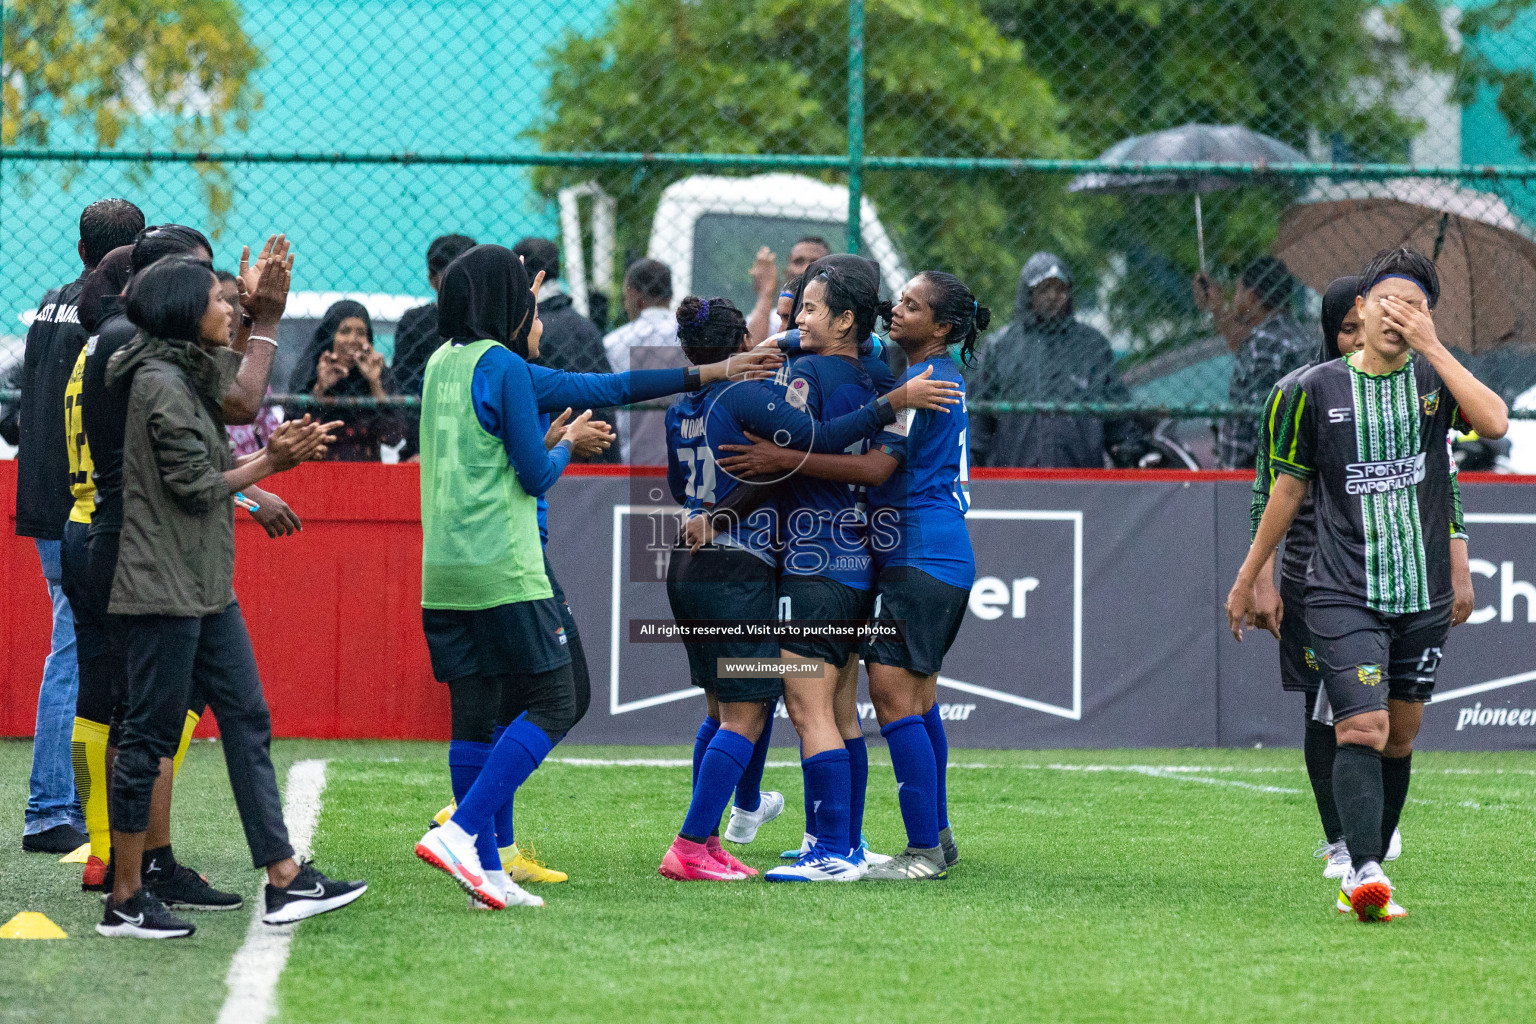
(1190, 143)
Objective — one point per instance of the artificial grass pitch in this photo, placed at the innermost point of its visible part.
(1095, 886)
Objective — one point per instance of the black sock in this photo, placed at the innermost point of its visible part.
(1357, 790)
(1395, 773)
(159, 861)
(1318, 748)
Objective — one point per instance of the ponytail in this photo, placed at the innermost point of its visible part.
(954, 304)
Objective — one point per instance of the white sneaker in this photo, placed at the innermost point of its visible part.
(743, 825)
(1395, 847)
(452, 850)
(1369, 892)
(499, 880)
(1337, 855)
(805, 847)
(818, 866)
(868, 856)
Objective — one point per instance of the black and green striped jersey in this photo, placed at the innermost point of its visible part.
(1300, 540)
(1375, 446)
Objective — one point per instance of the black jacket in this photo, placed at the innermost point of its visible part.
(105, 416)
(54, 340)
(1058, 360)
(416, 338)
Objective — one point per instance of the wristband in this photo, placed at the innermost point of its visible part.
(263, 337)
(886, 410)
(693, 379)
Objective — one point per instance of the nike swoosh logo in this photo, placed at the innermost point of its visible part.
(137, 921)
(318, 891)
(469, 876)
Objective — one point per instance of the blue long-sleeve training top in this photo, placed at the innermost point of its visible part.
(502, 391)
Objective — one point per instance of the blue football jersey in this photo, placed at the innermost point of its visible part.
(917, 517)
(722, 413)
(823, 522)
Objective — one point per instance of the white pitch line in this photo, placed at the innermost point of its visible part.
(259, 962)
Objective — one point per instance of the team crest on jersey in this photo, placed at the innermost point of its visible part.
(560, 635)
(1430, 402)
(1311, 658)
(1370, 675)
(798, 392)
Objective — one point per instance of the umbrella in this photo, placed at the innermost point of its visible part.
(1190, 143)
(1485, 254)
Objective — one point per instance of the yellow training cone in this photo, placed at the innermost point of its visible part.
(29, 924)
(78, 856)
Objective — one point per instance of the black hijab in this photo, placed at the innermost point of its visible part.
(1338, 300)
(308, 369)
(108, 278)
(486, 293)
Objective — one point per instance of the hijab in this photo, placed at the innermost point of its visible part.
(308, 369)
(486, 293)
(108, 278)
(1338, 300)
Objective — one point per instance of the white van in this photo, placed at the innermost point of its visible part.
(708, 230)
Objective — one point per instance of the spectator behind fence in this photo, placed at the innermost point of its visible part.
(1047, 355)
(764, 319)
(246, 438)
(647, 342)
(570, 341)
(341, 362)
(416, 335)
(1266, 342)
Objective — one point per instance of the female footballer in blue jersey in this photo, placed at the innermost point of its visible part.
(918, 476)
(734, 578)
(845, 699)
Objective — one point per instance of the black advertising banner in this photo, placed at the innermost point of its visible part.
(1095, 620)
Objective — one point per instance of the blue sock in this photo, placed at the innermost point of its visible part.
(719, 771)
(503, 816)
(519, 751)
(916, 778)
(749, 791)
(466, 759)
(707, 730)
(935, 727)
(810, 810)
(828, 786)
(858, 776)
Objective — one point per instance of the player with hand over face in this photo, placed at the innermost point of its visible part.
(1369, 443)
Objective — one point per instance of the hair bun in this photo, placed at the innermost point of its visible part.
(983, 317)
(687, 314)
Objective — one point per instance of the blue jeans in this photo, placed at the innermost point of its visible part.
(52, 799)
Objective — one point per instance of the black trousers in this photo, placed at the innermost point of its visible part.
(169, 659)
(88, 568)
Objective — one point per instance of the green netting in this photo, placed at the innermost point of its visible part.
(696, 131)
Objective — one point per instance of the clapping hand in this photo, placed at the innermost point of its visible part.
(370, 363)
(296, 441)
(329, 371)
(264, 285)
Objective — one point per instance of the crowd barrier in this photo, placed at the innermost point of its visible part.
(1095, 621)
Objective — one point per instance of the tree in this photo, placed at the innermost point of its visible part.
(122, 71)
(770, 76)
(1336, 71)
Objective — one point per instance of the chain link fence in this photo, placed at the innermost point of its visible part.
(953, 134)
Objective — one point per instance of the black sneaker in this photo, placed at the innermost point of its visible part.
(59, 839)
(308, 894)
(947, 844)
(181, 888)
(141, 916)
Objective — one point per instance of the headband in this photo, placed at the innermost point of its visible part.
(1401, 277)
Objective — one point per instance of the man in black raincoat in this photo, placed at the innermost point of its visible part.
(1047, 355)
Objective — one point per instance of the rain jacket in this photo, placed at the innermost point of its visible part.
(177, 553)
(1055, 360)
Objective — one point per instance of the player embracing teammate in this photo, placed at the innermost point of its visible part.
(1366, 436)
